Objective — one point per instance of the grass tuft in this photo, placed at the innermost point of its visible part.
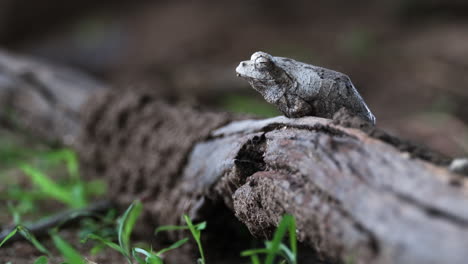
(125, 227)
(28, 236)
(106, 230)
(275, 248)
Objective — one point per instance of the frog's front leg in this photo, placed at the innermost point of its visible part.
(294, 106)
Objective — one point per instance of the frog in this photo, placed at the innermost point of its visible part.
(299, 89)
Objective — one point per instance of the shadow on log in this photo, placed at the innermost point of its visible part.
(355, 195)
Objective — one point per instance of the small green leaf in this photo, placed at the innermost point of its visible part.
(201, 226)
(151, 258)
(41, 260)
(68, 252)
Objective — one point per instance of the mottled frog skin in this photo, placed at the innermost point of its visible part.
(299, 89)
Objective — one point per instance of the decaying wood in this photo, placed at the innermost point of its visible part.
(355, 195)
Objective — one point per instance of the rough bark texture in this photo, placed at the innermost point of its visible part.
(356, 194)
(141, 145)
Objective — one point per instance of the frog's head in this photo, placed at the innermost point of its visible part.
(265, 75)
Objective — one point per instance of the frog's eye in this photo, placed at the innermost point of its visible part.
(263, 63)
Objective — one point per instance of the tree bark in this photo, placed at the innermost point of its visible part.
(355, 194)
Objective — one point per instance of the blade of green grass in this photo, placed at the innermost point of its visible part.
(277, 238)
(287, 254)
(251, 252)
(10, 235)
(276, 247)
(199, 226)
(292, 238)
(169, 228)
(31, 238)
(68, 252)
(196, 233)
(105, 242)
(255, 259)
(173, 246)
(28, 236)
(126, 224)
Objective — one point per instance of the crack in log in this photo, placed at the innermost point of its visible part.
(431, 211)
(427, 209)
(415, 150)
(36, 85)
(315, 128)
(249, 159)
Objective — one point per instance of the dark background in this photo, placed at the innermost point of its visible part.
(408, 58)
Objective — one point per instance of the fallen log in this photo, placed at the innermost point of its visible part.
(360, 195)
(42, 98)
